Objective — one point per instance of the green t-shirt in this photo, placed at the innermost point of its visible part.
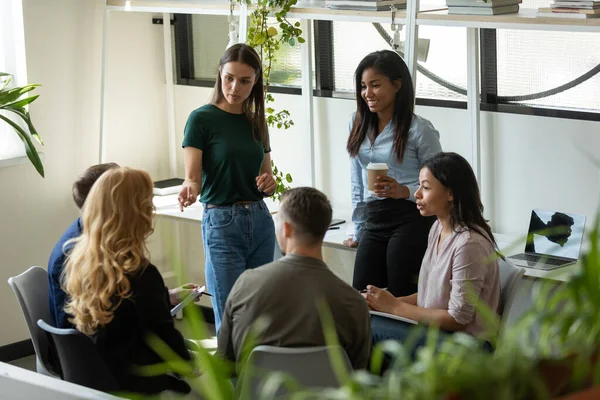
(231, 157)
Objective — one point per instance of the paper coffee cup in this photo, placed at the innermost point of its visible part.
(373, 171)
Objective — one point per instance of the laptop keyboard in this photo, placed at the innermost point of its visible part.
(545, 260)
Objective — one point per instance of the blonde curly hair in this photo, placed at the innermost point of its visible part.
(117, 220)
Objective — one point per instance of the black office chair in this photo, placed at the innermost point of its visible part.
(79, 359)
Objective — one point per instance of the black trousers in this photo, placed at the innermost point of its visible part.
(392, 246)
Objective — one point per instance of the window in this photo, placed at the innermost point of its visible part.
(210, 35)
(351, 42)
(516, 65)
(445, 70)
(530, 62)
(12, 60)
(445, 44)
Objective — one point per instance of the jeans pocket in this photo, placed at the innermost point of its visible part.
(263, 207)
(220, 217)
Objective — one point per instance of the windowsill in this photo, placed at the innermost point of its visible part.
(9, 162)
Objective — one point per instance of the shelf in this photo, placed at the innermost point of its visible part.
(212, 7)
(524, 19)
(315, 10)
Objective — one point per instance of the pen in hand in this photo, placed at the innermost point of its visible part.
(334, 227)
(365, 290)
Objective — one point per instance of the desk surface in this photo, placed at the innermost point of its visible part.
(166, 206)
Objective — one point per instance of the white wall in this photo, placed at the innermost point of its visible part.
(33, 211)
(64, 48)
(136, 125)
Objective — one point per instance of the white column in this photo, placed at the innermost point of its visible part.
(103, 87)
(473, 97)
(243, 26)
(170, 87)
(411, 39)
(307, 93)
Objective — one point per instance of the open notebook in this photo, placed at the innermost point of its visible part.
(392, 316)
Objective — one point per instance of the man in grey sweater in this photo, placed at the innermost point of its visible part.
(285, 292)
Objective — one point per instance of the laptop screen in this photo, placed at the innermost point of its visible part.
(554, 233)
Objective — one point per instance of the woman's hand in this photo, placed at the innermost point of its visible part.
(178, 294)
(380, 300)
(266, 184)
(188, 194)
(350, 243)
(388, 187)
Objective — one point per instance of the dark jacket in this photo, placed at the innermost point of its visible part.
(122, 343)
(56, 296)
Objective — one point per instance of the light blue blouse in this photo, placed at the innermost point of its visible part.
(423, 142)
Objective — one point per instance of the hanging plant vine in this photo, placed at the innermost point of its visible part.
(267, 39)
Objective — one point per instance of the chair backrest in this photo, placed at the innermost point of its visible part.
(31, 289)
(79, 359)
(310, 367)
(510, 277)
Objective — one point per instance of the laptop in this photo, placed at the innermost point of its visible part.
(553, 240)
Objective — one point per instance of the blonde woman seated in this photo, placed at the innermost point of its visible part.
(460, 257)
(115, 295)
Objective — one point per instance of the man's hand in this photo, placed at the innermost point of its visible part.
(178, 294)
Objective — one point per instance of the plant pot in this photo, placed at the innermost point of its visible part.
(557, 374)
(589, 394)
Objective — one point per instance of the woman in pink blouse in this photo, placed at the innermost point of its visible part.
(460, 260)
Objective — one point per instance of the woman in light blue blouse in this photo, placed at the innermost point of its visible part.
(390, 233)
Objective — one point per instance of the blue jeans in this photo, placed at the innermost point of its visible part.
(235, 238)
(390, 329)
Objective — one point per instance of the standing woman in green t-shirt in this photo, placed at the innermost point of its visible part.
(227, 162)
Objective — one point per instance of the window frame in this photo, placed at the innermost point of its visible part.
(324, 70)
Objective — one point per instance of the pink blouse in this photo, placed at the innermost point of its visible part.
(466, 262)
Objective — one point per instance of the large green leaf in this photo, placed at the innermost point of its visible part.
(4, 82)
(24, 114)
(21, 103)
(30, 149)
(10, 95)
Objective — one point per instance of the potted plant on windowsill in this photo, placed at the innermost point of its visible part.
(13, 102)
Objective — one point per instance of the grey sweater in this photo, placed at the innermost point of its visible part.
(286, 292)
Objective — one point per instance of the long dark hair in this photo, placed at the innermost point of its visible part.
(390, 64)
(254, 105)
(455, 173)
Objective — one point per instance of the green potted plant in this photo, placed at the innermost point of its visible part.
(12, 101)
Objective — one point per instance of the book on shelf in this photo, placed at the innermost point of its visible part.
(365, 5)
(570, 10)
(510, 9)
(481, 3)
(576, 4)
(566, 13)
(167, 186)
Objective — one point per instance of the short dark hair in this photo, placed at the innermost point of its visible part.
(309, 211)
(85, 181)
